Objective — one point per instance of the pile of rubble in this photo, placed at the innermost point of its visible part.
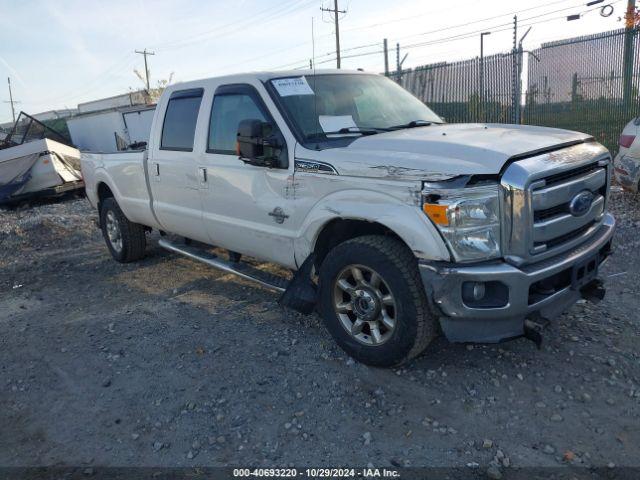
(624, 205)
(45, 225)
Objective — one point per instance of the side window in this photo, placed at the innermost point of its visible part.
(179, 127)
(227, 112)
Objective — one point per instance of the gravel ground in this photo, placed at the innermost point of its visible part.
(169, 363)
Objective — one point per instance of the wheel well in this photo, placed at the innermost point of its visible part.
(103, 192)
(340, 230)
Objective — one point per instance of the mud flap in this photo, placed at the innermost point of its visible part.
(301, 294)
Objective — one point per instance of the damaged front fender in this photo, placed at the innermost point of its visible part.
(400, 214)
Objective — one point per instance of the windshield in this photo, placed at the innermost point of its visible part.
(334, 105)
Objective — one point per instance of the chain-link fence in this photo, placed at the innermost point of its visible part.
(589, 84)
(454, 90)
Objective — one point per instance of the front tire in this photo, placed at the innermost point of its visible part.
(126, 240)
(373, 302)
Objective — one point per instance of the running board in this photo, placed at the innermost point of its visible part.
(243, 270)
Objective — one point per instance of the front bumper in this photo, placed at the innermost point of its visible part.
(461, 323)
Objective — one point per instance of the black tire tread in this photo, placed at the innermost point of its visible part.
(406, 262)
(134, 240)
(403, 259)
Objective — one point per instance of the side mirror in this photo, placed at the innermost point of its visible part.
(258, 144)
(250, 141)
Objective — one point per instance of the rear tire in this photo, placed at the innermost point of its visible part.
(373, 301)
(126, 240)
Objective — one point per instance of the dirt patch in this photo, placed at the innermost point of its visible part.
(167, 362)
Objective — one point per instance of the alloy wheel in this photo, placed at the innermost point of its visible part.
(113, 231)
(364, 304)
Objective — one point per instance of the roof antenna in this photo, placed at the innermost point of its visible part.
(315, 96)
(313, 48)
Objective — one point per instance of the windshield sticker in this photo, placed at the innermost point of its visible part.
(287, 87)
(333, 123)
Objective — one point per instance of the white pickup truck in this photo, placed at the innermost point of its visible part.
(397, 225)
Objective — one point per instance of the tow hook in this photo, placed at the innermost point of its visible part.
(533, 330)
(593, 291)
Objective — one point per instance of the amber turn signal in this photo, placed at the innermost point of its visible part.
(437, 213)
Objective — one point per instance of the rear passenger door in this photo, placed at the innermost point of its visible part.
(173, 172)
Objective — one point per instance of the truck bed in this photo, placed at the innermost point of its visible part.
(123, 173)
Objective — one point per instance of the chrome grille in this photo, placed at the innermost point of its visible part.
(536, 197)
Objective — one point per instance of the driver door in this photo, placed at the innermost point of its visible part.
(244, 206)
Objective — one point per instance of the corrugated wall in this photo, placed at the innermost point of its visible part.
(579, 84)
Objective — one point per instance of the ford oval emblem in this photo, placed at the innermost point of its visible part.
(581, 203)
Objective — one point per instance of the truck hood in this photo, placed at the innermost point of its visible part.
(444, 151)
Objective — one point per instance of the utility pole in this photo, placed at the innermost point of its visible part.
(336, 12)
(146, 66)
(481, 96)
(386, 57)
(519, 78)
(399, 63)
(11, 101)
(514, 72)
(628, 56)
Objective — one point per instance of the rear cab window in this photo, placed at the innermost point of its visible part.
(180, 118)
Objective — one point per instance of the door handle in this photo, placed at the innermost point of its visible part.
(156, 169)
(203, 174)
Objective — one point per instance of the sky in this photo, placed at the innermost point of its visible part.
(64, 52)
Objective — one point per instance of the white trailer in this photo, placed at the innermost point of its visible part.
(112, 130)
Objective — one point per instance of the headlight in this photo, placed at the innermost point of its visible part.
(469, 220)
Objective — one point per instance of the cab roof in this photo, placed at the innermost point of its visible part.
(261, 76)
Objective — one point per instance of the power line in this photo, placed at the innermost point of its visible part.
(461, 36)
(298, 62)
(450, 27)
(271, 13)
(216, 29)
(359, 47)
(119, 65)
(508, 25)
(493, 18)
(239, 25)
(301, 6)
(413, 17)
(377, 44)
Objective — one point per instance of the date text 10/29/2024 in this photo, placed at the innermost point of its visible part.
(316, 472)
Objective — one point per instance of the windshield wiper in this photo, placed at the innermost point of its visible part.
(356, 130)
(413, 124)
